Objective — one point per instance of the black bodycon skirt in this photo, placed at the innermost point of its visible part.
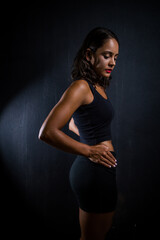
(94, 185)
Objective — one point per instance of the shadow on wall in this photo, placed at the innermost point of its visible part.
(36, 191)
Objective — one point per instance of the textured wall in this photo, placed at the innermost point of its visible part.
(39, 42)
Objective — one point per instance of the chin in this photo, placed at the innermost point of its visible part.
(106, 75)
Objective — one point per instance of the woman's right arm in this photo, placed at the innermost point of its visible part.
(51, 133)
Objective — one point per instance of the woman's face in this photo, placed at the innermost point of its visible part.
(104, 59)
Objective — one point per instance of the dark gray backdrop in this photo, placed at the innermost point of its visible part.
(38, 44)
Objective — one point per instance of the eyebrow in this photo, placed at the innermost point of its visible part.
(110, 53)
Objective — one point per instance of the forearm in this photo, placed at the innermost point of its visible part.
(60, 140)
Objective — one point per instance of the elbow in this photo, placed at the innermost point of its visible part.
(46, 135)
(43, 135)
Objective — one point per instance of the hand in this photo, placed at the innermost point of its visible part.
(100, 154)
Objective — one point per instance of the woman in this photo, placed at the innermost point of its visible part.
(87, 108)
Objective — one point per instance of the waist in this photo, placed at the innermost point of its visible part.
(94, 138)
(109, 144)
(100, 140)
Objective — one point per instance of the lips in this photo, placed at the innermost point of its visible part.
(108, 70)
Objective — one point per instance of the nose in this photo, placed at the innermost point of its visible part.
(112, 62)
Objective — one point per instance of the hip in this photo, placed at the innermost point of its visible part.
(87, 173)
(83, 163)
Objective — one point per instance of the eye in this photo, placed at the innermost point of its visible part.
(115, 59)
(106, 57)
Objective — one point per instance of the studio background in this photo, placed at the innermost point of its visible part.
(38, 45)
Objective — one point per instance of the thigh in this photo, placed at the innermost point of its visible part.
(94, 226)
(94, 186)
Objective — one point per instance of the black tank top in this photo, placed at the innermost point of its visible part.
(94, 119)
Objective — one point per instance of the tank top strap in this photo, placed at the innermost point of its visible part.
(91, 87)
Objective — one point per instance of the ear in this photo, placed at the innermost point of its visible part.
(88, 54)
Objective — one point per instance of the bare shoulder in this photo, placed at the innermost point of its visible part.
(80, 84)
(78, 90)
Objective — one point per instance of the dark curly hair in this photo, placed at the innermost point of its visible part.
(81, 67)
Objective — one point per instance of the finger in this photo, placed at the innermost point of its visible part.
(111, 155)
(106, 148)
(109, 159)
(105, 164)
(95, 160)
(106, 161)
